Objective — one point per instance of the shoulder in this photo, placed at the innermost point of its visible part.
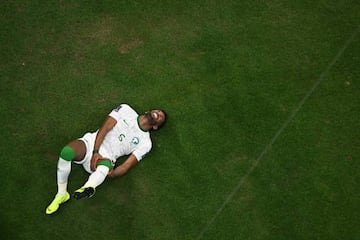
(129, 110)
(122, 107)
(124, 110)
(143, 148)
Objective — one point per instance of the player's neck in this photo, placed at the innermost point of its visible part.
(143, 123)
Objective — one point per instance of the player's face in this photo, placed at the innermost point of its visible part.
(155, 118)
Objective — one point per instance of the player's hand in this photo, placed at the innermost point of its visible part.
(111, 173)
(94, 160)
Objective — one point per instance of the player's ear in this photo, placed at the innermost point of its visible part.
(155, 127)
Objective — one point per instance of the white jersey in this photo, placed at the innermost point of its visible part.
(126, 137)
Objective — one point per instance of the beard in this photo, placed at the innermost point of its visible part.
(150, 118)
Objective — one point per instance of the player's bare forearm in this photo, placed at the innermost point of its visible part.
(125, 167)
(119, 171)
(105, 128)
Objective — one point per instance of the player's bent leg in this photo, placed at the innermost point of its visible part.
(106, 163)
(95, 179)
(67, 154)
(74, 151)
(79, 148)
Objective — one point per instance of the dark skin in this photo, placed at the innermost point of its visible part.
(149, 121)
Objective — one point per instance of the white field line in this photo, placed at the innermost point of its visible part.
(286, 123)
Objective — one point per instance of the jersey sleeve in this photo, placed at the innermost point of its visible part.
(119, 112)
(142, 150)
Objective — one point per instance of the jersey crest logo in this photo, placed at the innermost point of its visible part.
(135, 140)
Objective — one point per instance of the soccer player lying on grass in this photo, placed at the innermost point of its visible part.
(124, 132)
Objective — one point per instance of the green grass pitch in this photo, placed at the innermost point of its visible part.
(229, 74)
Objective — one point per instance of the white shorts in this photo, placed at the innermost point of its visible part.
(89, 140)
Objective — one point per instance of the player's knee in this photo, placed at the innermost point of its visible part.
(67, 153)
(106, 163)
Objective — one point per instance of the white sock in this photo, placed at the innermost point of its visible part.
(97, 177)
(63, 171)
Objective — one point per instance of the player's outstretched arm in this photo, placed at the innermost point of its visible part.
(124, 168)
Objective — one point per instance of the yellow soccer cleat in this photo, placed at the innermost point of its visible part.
(54, 205)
